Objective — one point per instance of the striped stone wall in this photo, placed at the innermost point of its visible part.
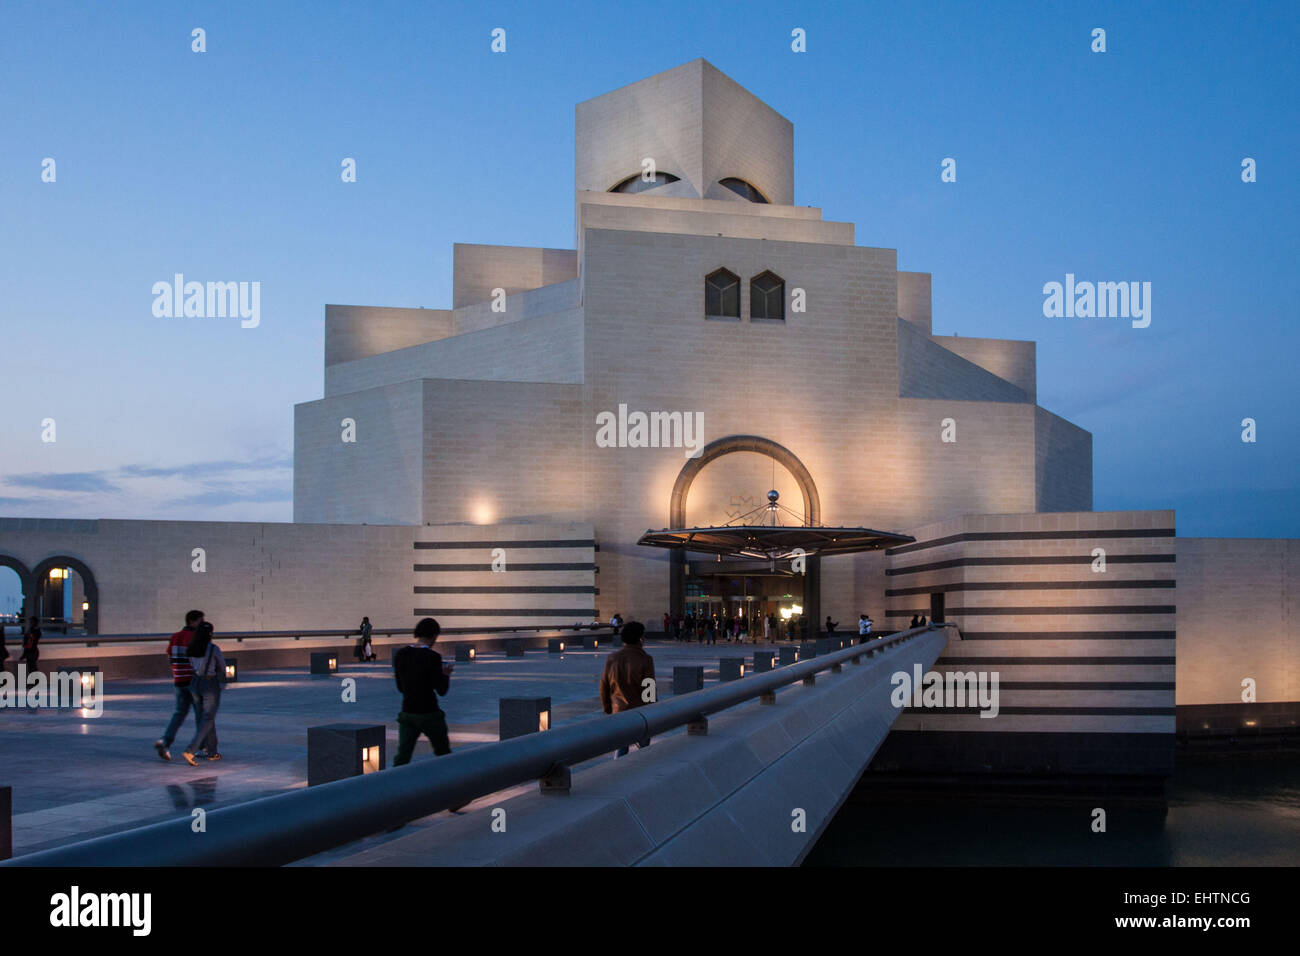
(546, 575)
(1085, 657)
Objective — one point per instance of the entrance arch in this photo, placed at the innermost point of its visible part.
(25, 585)
(89, 587)
(811, 505)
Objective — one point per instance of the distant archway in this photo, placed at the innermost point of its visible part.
(25, 583)
(90, 588)
(677, 513)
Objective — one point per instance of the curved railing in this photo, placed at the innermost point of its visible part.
(279, 829)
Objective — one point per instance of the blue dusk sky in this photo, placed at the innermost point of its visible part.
(1123, 165)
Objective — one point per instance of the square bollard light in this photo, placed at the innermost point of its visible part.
(465, 654)
(555, 646)
(337, 751)
(687, 678)
(590, 642)
(763, 661)
(514, 647)
(789, 654)
(807, 650)
(518, 716)
(731, 668)
(824, 645)
(324, 663)
(92, 683)
(232, 670)
(6, 822)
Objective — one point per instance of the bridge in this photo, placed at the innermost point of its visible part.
(762, 767)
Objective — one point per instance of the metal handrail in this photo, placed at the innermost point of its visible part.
(90, 640)
(280, 829)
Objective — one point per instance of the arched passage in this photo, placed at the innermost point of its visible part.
(40, 575)
(811, 506)
(24, 582)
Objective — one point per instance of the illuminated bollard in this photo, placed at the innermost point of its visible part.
(789, 654)
(763, 661)
(590, 642)
(808, 650)
(514, 647)
(465, 654)
(555, 646)
(517, 716)
(232, 670)
(687, 678)
(337, 751)
(324, 663)
(731, 668)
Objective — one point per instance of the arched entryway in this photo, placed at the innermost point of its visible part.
(811, 508)
(25, 588)
(90, 590)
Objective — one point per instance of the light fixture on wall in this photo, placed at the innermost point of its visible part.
(56, 574)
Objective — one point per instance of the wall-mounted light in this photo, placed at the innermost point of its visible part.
(56, 574)
(85, 605)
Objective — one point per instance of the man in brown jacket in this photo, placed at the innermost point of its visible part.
(622, 685)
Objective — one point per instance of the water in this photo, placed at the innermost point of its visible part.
(1232, 811)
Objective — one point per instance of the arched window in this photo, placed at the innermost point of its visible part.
(767, 296)
(722, 295)
(635, 184)
(742, 188)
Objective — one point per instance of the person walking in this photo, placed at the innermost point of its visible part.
(830, 627)
(421, 675)
(182, 675)
(767, 628)
(31, 644)
(209, 668)
(364, 651)
(711, 630)
(623, 682)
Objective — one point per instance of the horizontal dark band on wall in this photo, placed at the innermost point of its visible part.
(1032, 560)
(1101, 609)
(582, 612)
(1111, 583)
(512, 566)
(1049, 711)
(1068, 635)
(1033, 536)
(470, 545)
(1052, 661)
(506, 589)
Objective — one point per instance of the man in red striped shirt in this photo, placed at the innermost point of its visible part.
(182, 674)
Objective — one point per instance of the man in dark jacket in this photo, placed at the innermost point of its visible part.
(623, 684)
(421, 676)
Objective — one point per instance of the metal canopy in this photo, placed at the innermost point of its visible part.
(772, 541)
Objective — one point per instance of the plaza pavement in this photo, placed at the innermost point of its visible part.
(74, 777)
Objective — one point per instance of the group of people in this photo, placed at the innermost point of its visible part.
(706, 628)
(198, 677)
(31, 645)
(918, 620)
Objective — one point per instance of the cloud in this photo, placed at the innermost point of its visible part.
(83, 481)
(204, 469)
